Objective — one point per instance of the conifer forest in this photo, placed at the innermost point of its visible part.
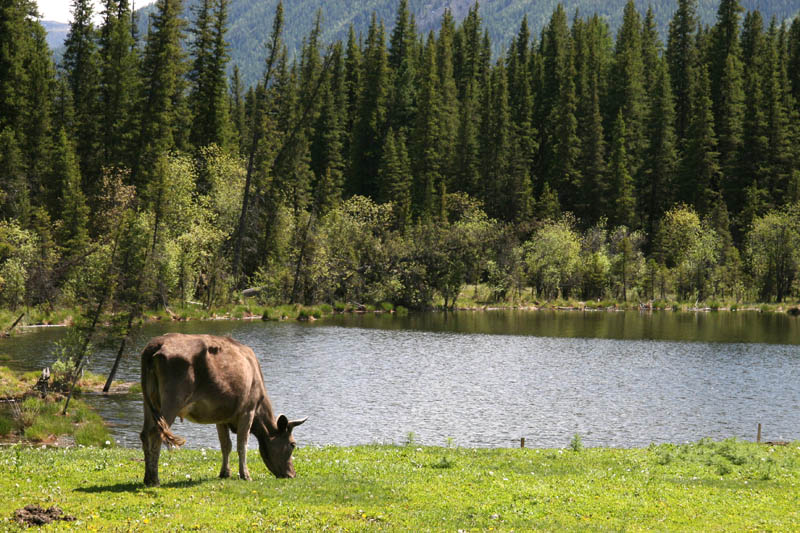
(395, 165)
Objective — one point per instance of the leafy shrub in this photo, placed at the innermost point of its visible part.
(6, 425)
(67, 351)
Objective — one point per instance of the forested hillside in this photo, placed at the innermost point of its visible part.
(401, 166)
(251, 20)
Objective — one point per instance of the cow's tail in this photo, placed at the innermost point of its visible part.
(150, 383)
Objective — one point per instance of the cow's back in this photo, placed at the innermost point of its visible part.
(207, 379)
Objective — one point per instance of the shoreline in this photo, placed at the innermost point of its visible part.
(314, 312)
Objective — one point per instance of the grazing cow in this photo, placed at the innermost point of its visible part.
(211, 380)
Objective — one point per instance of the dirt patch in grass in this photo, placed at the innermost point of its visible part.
(35, 515)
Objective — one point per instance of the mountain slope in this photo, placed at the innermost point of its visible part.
(56, 33)
(250, 20)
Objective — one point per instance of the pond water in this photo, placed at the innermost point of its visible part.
(488, 378)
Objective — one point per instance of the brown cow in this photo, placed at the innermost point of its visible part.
(211, 380)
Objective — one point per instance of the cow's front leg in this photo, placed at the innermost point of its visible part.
(242, 434)
(225, 444)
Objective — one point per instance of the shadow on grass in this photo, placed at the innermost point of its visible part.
(137, 486)
(728, 484)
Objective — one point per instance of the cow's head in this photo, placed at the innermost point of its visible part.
(276, 450)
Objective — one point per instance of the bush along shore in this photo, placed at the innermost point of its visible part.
(31, 414)
(704, 486)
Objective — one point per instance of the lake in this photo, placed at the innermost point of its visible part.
(487, 378)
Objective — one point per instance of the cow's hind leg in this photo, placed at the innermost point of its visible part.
(242, 434)
(151, 445)
(225, 444)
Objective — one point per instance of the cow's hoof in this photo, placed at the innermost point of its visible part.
(245, 476)
(224, 474)
(151, 482)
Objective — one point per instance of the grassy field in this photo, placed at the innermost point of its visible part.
(706, 486)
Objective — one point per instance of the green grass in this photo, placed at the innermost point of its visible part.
(40, 420)
(707, 486)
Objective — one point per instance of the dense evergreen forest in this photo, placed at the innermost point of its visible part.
(398, 166)
(250, 20)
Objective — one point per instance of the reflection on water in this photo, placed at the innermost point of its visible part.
(617, 379)
(742, 326)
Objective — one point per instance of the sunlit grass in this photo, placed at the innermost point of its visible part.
(706, 486)
(33, 419)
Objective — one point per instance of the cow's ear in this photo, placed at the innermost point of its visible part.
(283, 423)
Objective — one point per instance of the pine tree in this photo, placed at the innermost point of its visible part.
(353, 75)
(402, 52)
(791, 167)
(593, 159)
(699, 173)
(426, 159)
(496, 146)
(208, 97)
(119, 84)
(80, 64)
(591, 60)
(370, 123)
(627, 82)
(751, 180)
(448, 102)
(290, 172)
(793, 66)
(466, 172)
(14, 190)
(562, 148)
(621, 180)
(37, 141)
(681, 57)
(556, 103)
(42, 280)
(73, 235)
(523, 134)
(164, 115)
(326, 145)
(260, 155)
(309, 67)
(63, 114)
(236, 111)
(395, 178)
(777, 109)
(660, 162)
(724, 48)
(727, 91)
(651, 51)
(14, 44)
(548, 207)
(467, 52)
